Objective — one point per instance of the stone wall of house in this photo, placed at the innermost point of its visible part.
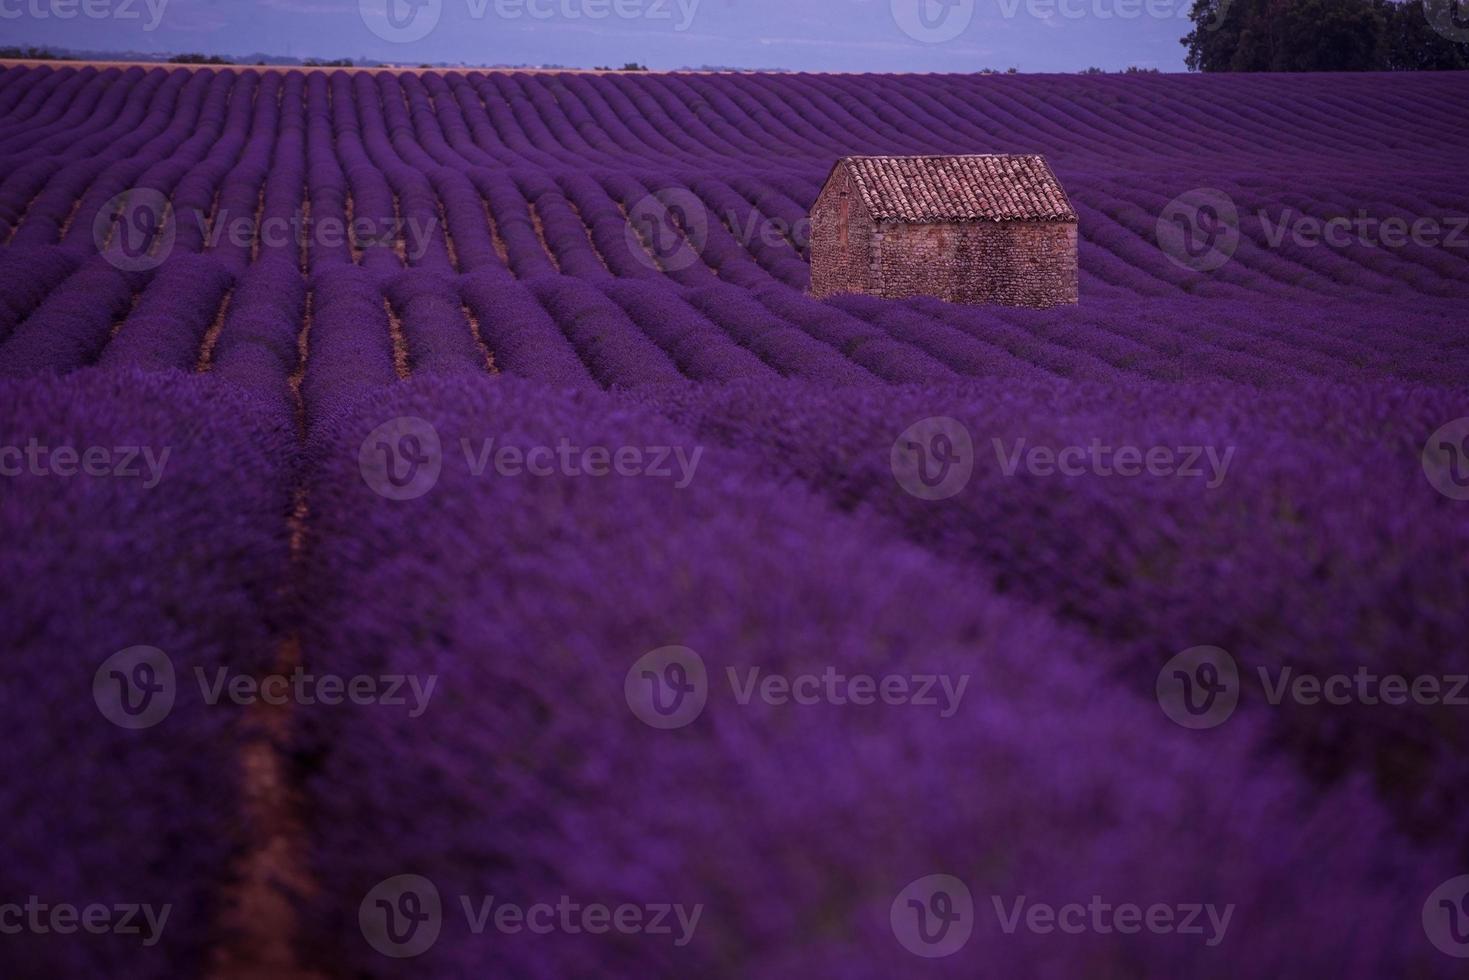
(1014, 263)
(842, 257)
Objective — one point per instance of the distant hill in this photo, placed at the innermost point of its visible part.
(47, 53)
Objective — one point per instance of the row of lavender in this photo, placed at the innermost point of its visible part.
(422, 163)
(1107, 124)
(193, 313)
(795, 827)
(145, 516)
(1364, 573)
(791, 550)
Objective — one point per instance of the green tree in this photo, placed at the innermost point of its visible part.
(1409, 42)
(198, 58)
(1317, 35)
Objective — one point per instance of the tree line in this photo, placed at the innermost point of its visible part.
(1327, 35)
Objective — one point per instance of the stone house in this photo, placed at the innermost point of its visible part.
(967, 229)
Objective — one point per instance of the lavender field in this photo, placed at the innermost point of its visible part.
(444, 539)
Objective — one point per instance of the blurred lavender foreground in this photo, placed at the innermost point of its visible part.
(519, 587)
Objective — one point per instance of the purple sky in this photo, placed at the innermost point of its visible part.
(833, 35)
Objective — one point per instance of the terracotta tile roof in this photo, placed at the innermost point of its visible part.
(960, 188)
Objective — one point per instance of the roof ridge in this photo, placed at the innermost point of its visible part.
(959, 187)
(934, 156)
